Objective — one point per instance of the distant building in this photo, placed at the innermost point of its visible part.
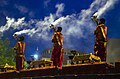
(113, 50)
(47, 54)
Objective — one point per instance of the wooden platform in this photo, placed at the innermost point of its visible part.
(96, 68)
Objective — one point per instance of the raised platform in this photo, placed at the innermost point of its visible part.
(77, 69)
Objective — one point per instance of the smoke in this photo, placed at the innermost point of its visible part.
(60, 9)
(107, 5)
(61, 19)
(29, 31)
(11, 23)
(75, 26)
(42, 28)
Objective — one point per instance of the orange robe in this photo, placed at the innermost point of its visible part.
(101, 39)
(20, 47)
(57, 52)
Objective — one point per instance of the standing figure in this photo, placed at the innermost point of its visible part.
(101, 40)
(57, 52)
(19, 48)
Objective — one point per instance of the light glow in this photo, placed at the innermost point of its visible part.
(36, 56)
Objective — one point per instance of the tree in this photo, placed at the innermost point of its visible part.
(7, 54)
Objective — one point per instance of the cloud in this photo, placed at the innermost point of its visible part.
(46, 2)
(3, 3)
(25, 10)
(60, 8)
(77, 26)
(22, 9)
(31, 14)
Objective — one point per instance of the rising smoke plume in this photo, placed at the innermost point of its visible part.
(107, 6)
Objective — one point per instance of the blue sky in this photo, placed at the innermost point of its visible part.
(31, 18)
